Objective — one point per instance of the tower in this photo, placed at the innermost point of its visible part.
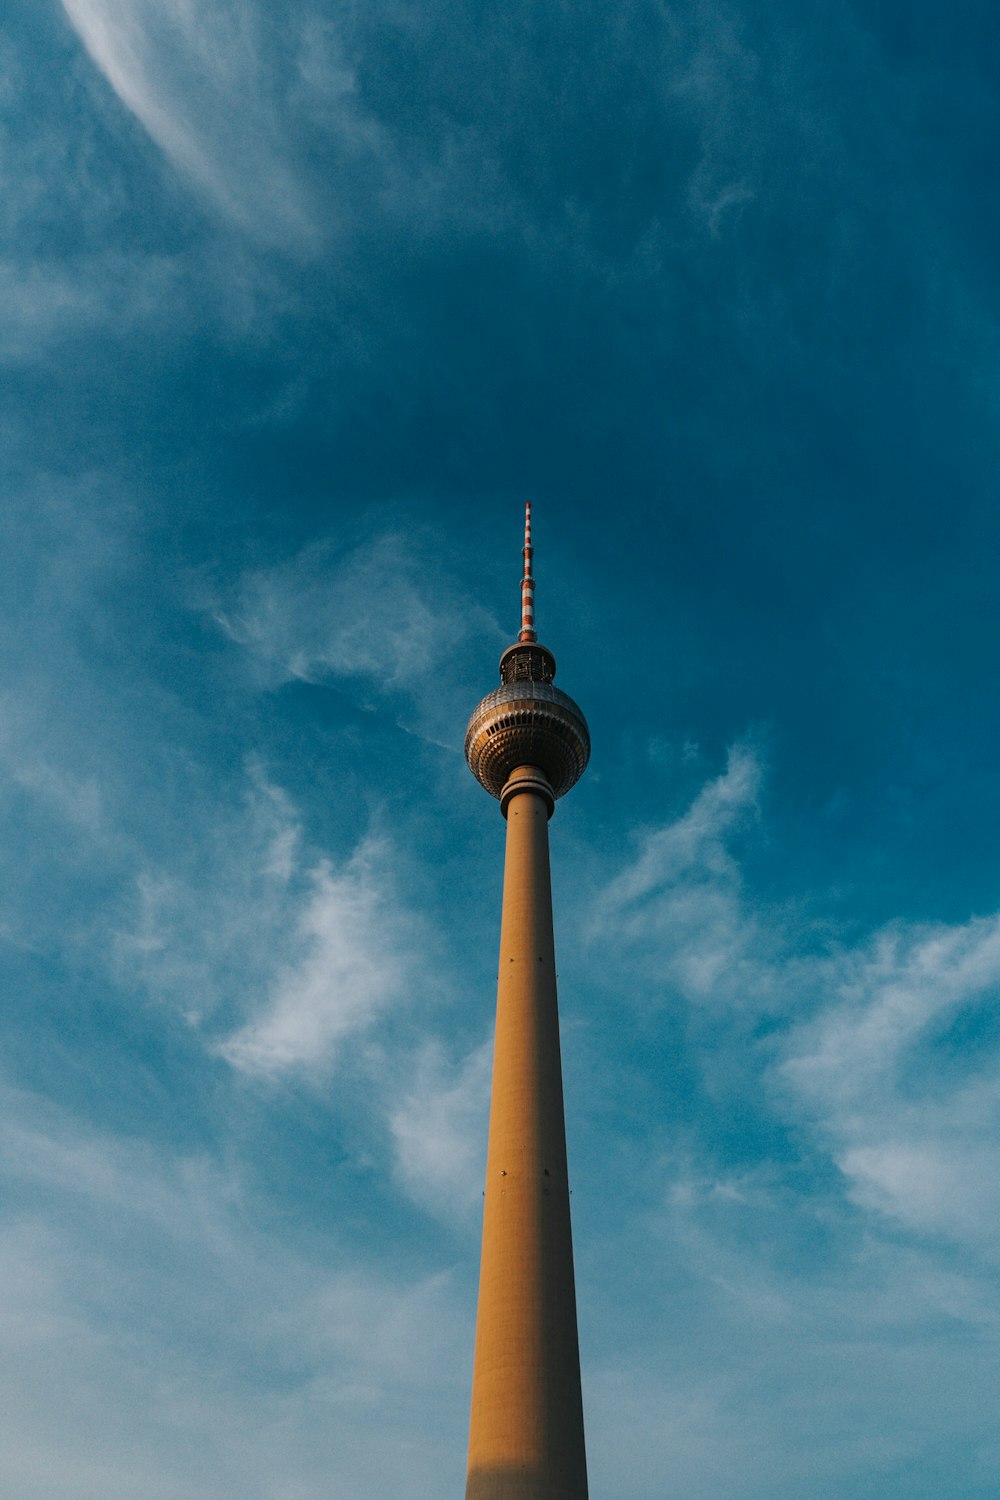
(527, 744)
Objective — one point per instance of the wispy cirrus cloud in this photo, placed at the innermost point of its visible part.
(244, 106)
(203, 931)
(177, 1339)
(350, 963)
(898, 1072)
(679, 903)
(45, 304)
(885, 1330)
(438, 1125)
(885, 1052)
(382, 617)
(297, 949)
(696, 844)
(198, 78)
(823, 1206)
(213, 902)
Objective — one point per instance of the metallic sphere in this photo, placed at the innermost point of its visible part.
(527, 723)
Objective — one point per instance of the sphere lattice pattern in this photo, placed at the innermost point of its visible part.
(527, 724)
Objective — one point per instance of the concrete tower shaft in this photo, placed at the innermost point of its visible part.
(527, 744)
(526, 1438)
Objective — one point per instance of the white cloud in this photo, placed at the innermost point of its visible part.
(41, 1146)
(367, 614)
(764, 1342)
(679, 904)
(800, 1385)
(45, 302)
(383, 617)
(350, 965)
(909, 1117)
(196, 76)
(912, 1121)
(936, 1180)
(210, 927)
(695, 842)
(303, 949)
(76, 799)
(439, 1130)
(158, 1340)
(887, 995)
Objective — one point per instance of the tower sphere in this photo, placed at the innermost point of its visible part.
(527, 721)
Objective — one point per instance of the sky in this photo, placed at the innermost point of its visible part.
(298, 305)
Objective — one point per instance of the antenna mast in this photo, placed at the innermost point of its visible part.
(527, 583)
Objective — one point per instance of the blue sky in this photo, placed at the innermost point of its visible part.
(299, 304)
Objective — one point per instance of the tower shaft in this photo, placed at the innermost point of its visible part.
(526, 1440)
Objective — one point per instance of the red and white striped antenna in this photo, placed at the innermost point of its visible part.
(527, 583)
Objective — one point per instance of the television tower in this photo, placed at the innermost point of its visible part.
(527, 744)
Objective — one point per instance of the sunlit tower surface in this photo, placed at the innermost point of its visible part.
(527, 744)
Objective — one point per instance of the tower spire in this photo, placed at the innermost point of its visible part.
(527, 583)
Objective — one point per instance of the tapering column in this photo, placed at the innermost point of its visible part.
(527, 744)
(526, 1440)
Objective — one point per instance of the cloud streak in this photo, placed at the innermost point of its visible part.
(177, 1340)
(883, 1050)
(438, 1127)
(679, 906)
(194, 76)
(909, 1108)
(306, 951)
(382, 619)
(351, 965)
